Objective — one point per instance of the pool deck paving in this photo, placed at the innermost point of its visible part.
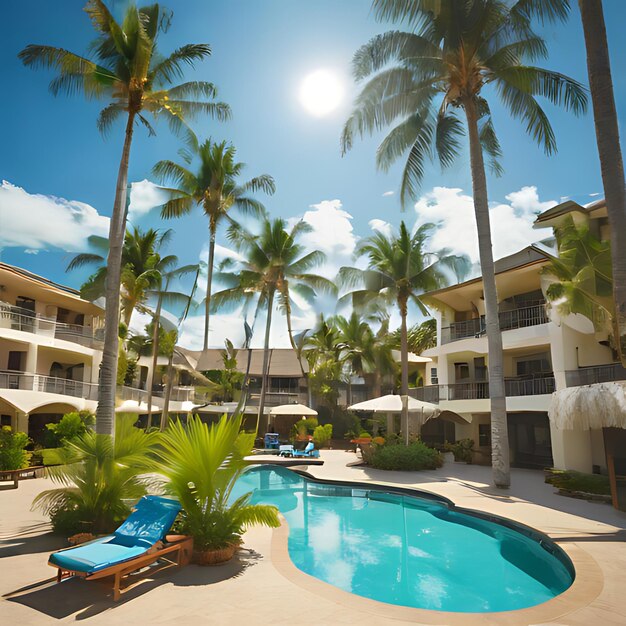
(262, 586)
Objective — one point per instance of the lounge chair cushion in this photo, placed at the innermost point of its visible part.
(95, 556)
(148, 523)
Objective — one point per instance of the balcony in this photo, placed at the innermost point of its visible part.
(48, 384)
(17, 318)
(595, 374)
(479, 390)
(509, 320)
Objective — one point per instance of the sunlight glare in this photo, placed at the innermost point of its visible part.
(321, 92)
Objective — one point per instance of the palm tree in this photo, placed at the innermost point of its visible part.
(128, 70)
(580, 279)
(611, 162)
(420, 337)
(322, 348)
(216, 188)
(142, 268)
(400, 270)
(164, 295)
(458, 54)
(274, 265)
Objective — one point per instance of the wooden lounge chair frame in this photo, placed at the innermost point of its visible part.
(176, 551)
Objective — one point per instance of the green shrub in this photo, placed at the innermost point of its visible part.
(13, 456)
(462, 450)
(98, 476)
(578, 481)
(71, 426)
(303, 428)
(322, 435)
(415, 456)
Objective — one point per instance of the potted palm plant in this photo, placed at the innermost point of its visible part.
(201, 464)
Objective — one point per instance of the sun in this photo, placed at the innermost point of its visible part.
(321, 92)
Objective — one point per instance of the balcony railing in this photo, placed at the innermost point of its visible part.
(509, 320)
(479, 390)
(17, 318)
(273, 398)
(595, 374)
(48, 384)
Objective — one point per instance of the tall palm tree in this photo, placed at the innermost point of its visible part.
(458, 55)
(274, 265)
(128, 70)
(167, 296)
(609, 149)
(400, 270)
(216, 188)
(142, 267)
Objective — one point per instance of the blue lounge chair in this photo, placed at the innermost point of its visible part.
(309, 451)
(137, 543)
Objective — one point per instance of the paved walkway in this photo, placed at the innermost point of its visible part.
(256, 587)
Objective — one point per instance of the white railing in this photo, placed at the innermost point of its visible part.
(17, 318)
(48, 384)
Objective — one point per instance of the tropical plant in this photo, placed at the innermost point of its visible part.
(580, 279)
(400, 270)
(463, 450)
(128, 70)
(609, 149)
(70, 426)
(13, 455)
(409, 458)
(323, 353)
(273, 264)
(143, 268)
(420, 337)
(228, 379)
(201, 464)
(216, 188)
(458, 54)
(322, 435)
(99, 477)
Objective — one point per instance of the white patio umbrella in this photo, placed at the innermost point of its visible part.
(132, 406)
(292, 409)
(393, 404)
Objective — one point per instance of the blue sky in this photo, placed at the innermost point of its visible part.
(261, 53)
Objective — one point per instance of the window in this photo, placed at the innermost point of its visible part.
(5, 420)
(484, 434)
(533, 364)
(480, 368)
(461, 372)
(434, 379)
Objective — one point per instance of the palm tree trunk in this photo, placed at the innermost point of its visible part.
(156, 320)
(404, 359)
(207, 301)
(105, 413)
(611, 162)
(295, 347)
(499, 430)
(261, 421)
(168, 392)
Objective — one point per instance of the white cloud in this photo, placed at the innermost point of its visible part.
(381, 226)
(388, 193)
(39, 222)
(453, 211)
(332, 233)
(144, 196)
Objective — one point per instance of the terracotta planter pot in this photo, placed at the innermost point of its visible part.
(214, 557)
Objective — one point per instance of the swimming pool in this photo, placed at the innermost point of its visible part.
(408, 550)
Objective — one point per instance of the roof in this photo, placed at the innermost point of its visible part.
(283, 361)
(548, 218)
(528, 256)
(45, 286)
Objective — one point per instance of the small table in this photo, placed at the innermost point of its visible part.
(285, 450)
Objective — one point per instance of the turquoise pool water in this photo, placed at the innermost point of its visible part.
(407, 550)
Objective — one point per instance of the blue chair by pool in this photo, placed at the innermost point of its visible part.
(309, 451)
(139, 542)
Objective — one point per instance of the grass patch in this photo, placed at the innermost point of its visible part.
(415, 456)
(578, 481)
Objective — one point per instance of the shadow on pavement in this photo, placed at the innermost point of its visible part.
(86, 599)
